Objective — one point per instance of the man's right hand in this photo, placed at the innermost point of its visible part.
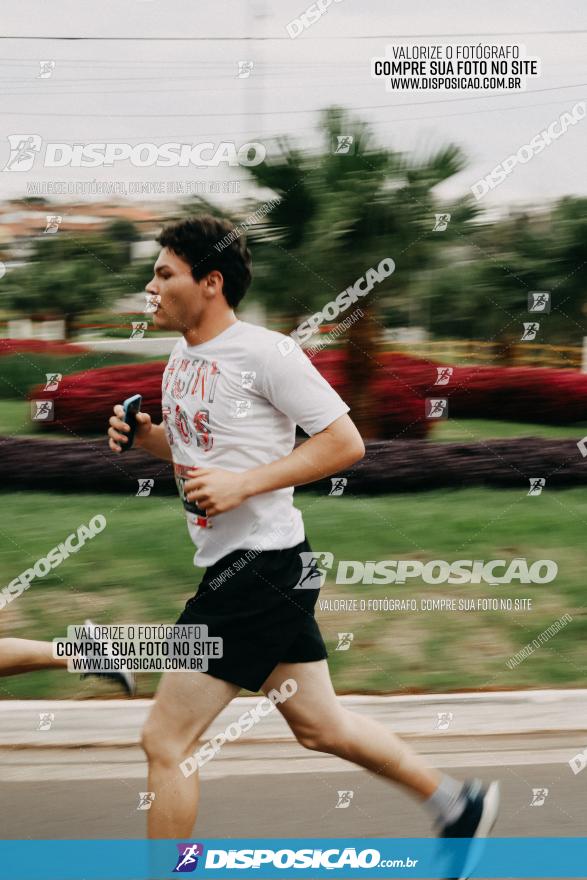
(119, 429)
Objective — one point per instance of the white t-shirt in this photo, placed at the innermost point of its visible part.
(233, 402)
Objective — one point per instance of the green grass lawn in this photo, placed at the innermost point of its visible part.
(139, 570)
(469, 430)
(15, 421)
(22, 371)
(15, 417)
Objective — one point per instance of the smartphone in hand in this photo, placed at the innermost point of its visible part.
(131, 407)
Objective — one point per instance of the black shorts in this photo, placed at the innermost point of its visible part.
(260, 617)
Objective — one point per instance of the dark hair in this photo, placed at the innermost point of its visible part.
(207, 243)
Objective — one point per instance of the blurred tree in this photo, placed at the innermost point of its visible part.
(122, 232)
(568, 276)
(485, 294)
(69, 275)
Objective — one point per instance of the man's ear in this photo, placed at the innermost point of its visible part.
(214, 281)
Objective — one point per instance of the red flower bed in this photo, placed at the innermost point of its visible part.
(416, 375)
(399, 386)
(399, 412)
(332, 366)
(518, 394)
(39, 346)
(84, 401)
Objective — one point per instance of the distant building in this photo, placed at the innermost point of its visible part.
(22, 221)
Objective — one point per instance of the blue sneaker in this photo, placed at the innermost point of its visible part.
(476, 821)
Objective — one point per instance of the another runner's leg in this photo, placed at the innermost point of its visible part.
(185, 705)
(26, 655)
(18, 656)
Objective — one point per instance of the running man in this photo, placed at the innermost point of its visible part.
(232, 395)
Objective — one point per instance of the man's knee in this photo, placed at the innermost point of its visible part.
(323, 735)
(150, 741)
(160, 748)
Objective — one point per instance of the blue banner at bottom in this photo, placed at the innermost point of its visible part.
(269, 857)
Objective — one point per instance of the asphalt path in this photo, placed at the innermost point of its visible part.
(279, 790)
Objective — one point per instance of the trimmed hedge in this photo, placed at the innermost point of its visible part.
(388, 466)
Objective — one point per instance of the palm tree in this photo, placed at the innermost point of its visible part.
(340, 214)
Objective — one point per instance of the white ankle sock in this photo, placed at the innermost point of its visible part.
(448, 801)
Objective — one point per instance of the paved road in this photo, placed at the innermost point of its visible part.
(278, 789)
(82, 777)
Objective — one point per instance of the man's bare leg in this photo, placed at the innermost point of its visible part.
(319, 721)
(185, 705)
(25, 655)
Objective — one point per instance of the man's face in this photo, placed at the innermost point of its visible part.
(182, 299)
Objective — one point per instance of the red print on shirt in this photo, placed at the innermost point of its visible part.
(197, 378)
(182, 424)
(203, 433)
(191, 376)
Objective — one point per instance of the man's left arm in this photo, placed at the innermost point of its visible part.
(328, 452)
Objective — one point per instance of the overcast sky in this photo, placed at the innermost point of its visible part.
(159, 90)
